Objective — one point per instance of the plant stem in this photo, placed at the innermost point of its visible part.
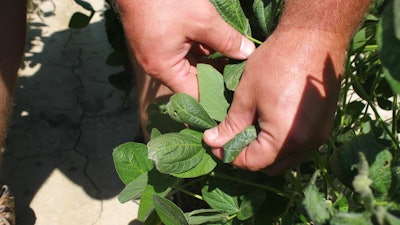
(378, 117)
(189, 193)
(394, 115)
(268, 188)
(254, 40)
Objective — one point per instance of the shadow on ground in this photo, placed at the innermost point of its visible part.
(67, 117)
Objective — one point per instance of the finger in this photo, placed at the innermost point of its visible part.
(199, 50)
(182, 77)
(240, 116)
(220, 36)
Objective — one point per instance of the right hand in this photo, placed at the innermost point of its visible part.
(166, 36)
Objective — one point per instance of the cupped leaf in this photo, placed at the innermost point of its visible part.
(134, 189)
(232, 74)
(232, 12)
(206, 216)
(168, 212)
(388, 44)
(234, 146)
(185, 109)
(130, 160)
(175, 152)
(221, 195)
(211, 84)
(205, 166)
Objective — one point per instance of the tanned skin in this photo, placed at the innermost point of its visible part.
(12, 43)
(290, 84)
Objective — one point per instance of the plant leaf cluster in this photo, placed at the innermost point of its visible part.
(352, 179)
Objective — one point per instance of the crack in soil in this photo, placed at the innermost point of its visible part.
(79, 129)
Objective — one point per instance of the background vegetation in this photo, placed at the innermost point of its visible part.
(352, 179)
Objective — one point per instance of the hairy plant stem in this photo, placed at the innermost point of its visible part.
(249, 183)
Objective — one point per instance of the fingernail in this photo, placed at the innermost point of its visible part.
(247, 47)
(211, 134)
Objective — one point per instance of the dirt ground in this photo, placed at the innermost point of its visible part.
(67, 119)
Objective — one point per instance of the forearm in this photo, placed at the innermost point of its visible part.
(339, 17)
(12, 40)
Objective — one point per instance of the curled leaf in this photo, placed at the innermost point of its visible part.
(234, 146)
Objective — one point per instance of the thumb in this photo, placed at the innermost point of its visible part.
(240, 116)
(223, 38)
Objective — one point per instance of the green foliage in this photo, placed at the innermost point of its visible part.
(388, 35)
(184, 108)
(234, 146)
(354, 178)
(232, 13)
(212, 92)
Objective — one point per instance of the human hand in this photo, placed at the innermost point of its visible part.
(167, 36)
(290, 87)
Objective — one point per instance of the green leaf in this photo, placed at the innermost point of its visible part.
(159, 184)
(130, 160)
(220, 195)
(317, 207)
(185, 109)
(205, 166)
(232, 74)
(380, 173)
(343, 162)
(395, 189)
(351, 219)
(264, 11)
(231, 11)
(134, 189)
(211, 85)
(234, 146)
(175, 152)
(251, 202)
(388, 44)
(396, 12)
(168, 212)
(78, 21)
(194, 133)
(154, 133)
(160, 120)
(206, 216)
